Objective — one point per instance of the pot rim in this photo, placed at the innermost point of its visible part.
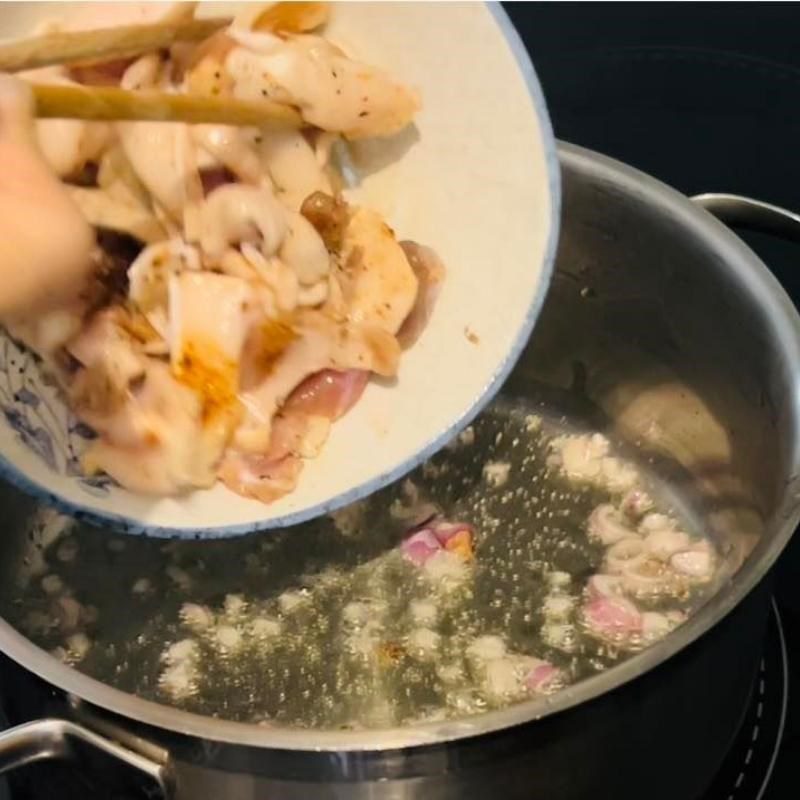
(784, 323)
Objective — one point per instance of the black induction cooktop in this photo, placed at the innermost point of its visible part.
(706, 97)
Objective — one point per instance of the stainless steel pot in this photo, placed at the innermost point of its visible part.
(676, 337)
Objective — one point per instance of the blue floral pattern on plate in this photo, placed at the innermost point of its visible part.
(32, 404)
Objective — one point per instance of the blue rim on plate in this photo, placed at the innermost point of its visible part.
(124, 524)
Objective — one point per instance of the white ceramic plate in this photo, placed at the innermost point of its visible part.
(478, 180)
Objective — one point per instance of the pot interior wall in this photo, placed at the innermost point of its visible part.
(657, 332)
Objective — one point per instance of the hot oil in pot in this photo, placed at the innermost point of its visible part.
(523, 557)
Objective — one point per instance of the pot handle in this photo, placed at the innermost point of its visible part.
(46, 739)
(756, 215)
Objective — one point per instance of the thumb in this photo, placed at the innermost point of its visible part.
(16, 108)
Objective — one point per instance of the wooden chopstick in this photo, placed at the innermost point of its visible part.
(111, 103)
(105, 44)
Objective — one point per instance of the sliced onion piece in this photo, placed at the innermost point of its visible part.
(625, 554)
(615, 619)
(607, 525)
